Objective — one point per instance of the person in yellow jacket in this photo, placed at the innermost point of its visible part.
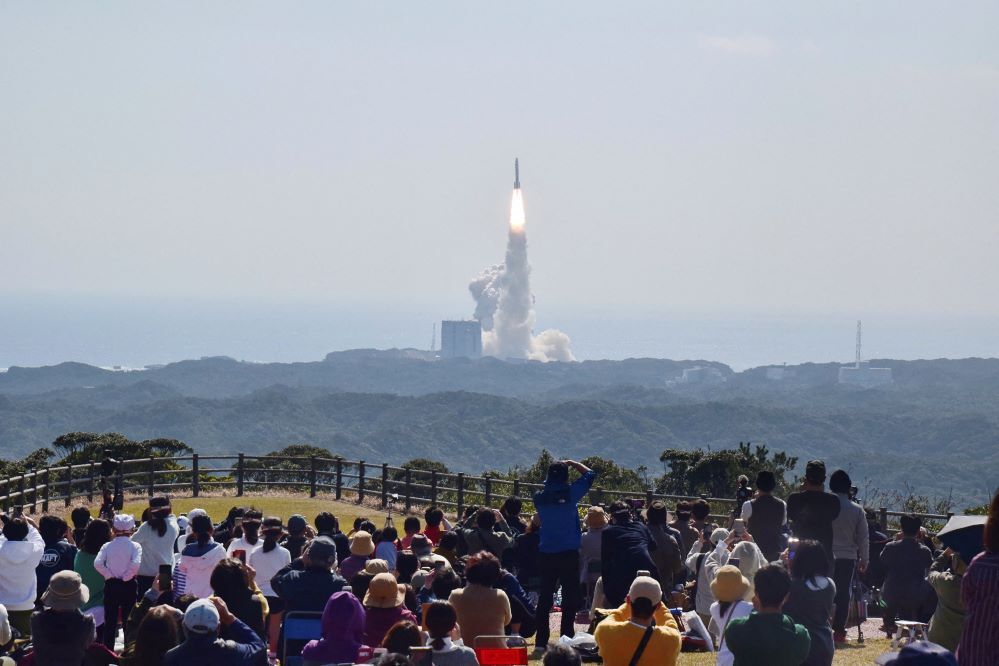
(620, 635)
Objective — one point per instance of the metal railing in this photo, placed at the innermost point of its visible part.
(357, 481)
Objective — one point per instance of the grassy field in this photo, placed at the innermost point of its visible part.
(284, 505)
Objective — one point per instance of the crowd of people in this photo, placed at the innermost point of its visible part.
(770, 584)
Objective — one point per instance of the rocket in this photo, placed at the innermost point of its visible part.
(516, 173)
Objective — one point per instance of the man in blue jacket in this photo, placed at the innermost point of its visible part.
(204, 647)
(558, 556)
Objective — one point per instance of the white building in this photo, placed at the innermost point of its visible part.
(778, 373)
(862, 375)
(461, 339)
(701, 375)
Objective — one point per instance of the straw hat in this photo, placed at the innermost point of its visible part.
(596, 518)
(375, 567)
(385, 592)
(729, 584)
(362, 545)
(66, 591)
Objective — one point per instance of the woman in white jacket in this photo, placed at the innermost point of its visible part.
(157, 537)
(197, 560)
(21, 549)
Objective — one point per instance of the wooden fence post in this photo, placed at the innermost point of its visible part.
(339, 478)
(516, 487)
(461, 494)
(195, 475)
(34, 492)
(46, 478)
(239, 475)
(648, 498)
(151, 481)
(69, 486)
(312, 476)
(384, 485)
(21, 485)
(488, 496)
(90, 482)
(360, 481)
(409, 489)
(433, 487)
(883, 517)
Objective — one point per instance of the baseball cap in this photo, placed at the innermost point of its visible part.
(646, 587)
(202, 617)
(815, 471)
(919, 653)
(124, 522)
(296, 524)
(322, 549)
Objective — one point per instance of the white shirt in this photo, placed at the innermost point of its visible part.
(240, 544)
(267, 565)
(119, 558)
(719, 623)
(156, 549)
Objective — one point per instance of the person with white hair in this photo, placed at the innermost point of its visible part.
(749, 558)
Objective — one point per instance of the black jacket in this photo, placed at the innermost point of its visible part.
(624, 551)
(306, 590)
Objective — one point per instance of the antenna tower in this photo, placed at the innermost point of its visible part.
(858, 343)
(433, 339)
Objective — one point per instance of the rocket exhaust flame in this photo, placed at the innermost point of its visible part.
(505, 304)
(517, 217)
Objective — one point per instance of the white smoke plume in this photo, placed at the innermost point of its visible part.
(504, 304)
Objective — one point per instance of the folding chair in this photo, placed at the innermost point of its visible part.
(501, 651)
(298, 628)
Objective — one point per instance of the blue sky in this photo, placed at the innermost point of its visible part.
(788, 158)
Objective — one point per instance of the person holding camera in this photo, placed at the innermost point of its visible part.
(705, 558)
(625, 549)
(157, 536)
(558, 557)
(21, 550)
(490, 532)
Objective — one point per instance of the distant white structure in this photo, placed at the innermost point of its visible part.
(778, 373)
(702, 375)
(461, 339)
(861, 374)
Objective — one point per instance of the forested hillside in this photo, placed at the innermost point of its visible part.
(935, 429)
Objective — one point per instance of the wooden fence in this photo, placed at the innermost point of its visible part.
(335, 478)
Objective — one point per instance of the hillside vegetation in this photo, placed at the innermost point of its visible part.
(935, 429)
